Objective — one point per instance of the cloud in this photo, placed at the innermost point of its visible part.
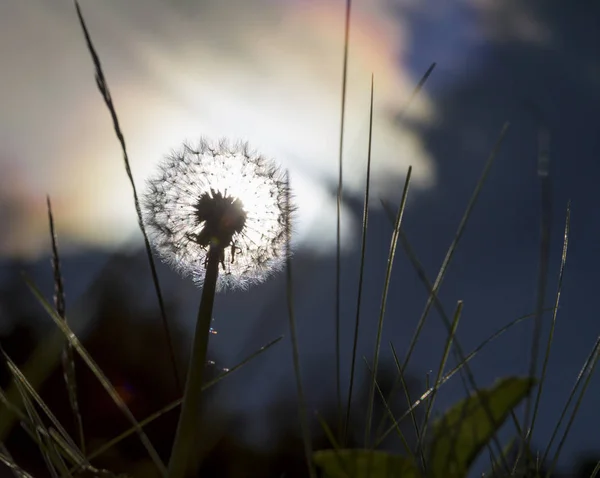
(266, 71)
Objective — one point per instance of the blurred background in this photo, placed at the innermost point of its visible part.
(270, 71)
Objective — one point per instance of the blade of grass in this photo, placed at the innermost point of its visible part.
(388, 275)
(68, 361)
(408, 403)
(46, 449)
(596, 470)
(591, 366)
(339, 219)
(25, 421)
(8, 461)
(451, 373)
(294, 339)
(440, 373)
(106, 96)
(544, 261)
(552, 326)
(388, 409)
(24, 383)
(176, 403)
(363, 248)
(78, 347)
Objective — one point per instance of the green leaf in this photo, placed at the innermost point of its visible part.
(364, 463)
(466, 428)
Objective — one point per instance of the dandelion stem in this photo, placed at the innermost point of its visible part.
(181, 463)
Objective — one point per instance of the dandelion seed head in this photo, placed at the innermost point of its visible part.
(219, 194)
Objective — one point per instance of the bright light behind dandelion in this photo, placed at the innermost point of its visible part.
(219, 194)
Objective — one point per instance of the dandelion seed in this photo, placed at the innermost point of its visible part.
(220, 195)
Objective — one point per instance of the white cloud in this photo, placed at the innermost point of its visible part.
(266, 71)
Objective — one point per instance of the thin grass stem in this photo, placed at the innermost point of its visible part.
(294, 339)
(339, 220)
(440, 373)
(542, 280)
(388, 409)
(552, 327)
(105, 92)
(363, 249)
(388, 276)
(413, 416)
(68, 361)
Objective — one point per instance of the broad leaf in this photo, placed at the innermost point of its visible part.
(363, 464)
(466, 428)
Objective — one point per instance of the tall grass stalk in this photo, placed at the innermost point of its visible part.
(363, 248)
(540, 387)
(386, 285)
(68, 361)
(338, 372)
(105, 92)
(542, 279)
(294, 339)
(439, 377)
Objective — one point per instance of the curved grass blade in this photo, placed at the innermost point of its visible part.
(544, 261)
(339, 218)
(363, 248)
(294, 339)
(552, 327)
(8, 461)
(388, 275)
(106, 96)
(463, 431)
(596, 471)
(46, 447)
(28, 426)
(64, 328)
(26, 386)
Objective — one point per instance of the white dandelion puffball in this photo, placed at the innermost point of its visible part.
(221, 195)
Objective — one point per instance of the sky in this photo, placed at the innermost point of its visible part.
(271, 72)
